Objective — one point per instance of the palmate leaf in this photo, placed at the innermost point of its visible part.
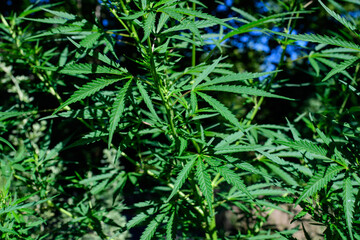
(87, 90)
(224, 111)
(149, 25)
(341, 67)
(240, 90)
(331, 40)
(117, 110)
(319, 180)
(100, 56)
(182, 177)
(84, 68)
(232, 178)
(349, 202)
(340, 19)
(204, 182)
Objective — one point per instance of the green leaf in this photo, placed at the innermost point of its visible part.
(305, 145)
(235, 78)
(318, 181)
(349, 202)
(6, 115)
(149, 25)
(204, 182)
(230, 139)
(170, 226)
(48, 20)
(90, 40)
(240, 90)
(143, 4)
(252, 25)
(134, 16)
(273, 158)
(294, 132)
(64, 15)
(224, 111)
(185, 25)
(331, 40)
(91, 137)
(282, 174)
(117, 110)
(205, 73)
(232, 178)
(7, 230)
(88, 90)
(100, 56)
(136, 220)
(238, 148)
(250, 168)
(341, 67)
(244, 14)
(162, 20)
(22, 206)
(147, 100)
(340, 19)
(182, 177)
(151, 228)
(84, 68)
(197, 14)
(7, 143)
(183, 145)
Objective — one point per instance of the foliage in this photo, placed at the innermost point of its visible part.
(175, 154)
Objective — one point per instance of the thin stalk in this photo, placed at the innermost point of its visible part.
(193, 55)
(160, 89)
(258, 104)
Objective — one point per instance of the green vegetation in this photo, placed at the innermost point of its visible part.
(109, 133)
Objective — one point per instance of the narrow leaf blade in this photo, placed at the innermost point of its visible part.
(87, 90)
(182, 177)
(117, 110)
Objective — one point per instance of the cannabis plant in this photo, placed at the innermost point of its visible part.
(165, 119)
(148, 94)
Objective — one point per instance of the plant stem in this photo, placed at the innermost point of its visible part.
(160, 89)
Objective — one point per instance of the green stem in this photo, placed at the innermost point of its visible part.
(281, 63)
(160, 89)
(193, 56)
